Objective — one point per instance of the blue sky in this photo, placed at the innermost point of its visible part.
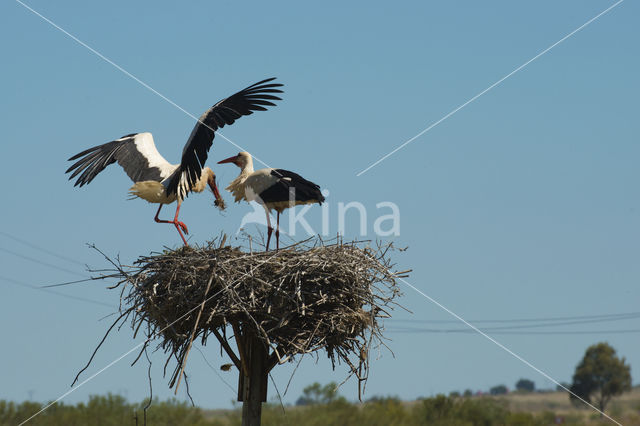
(524, 204)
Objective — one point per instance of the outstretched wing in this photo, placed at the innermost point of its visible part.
(254, 98)
(136, 153)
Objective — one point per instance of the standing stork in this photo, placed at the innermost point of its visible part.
(155, 179)
(274, 189)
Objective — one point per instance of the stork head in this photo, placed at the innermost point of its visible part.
(242, 160)
(211, 180)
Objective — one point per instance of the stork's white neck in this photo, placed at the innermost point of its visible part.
(247, 167)
(236, 186)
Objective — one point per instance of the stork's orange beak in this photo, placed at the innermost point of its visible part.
(229, 160)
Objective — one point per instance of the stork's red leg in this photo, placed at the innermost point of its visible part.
(157, 213)
(180, 225)
(175, 222)
(269, 228)
(278, 231)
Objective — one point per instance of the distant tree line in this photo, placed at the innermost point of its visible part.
(599, 376)
(104, 410)
(323, 406)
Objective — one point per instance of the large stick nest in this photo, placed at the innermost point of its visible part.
(301, 299)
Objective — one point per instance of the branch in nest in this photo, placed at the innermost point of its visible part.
(305, 298)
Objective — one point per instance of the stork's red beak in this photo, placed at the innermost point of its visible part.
(229, 160)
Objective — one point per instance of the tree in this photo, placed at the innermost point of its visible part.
(600, 376)
(498, 390)
(525, 385)
(317, 394)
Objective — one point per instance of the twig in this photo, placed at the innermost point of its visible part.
(241, 352)
(235, 391)
(98, 347)
(224, 344)
(148, 404)
(193, 333)
(279, 396)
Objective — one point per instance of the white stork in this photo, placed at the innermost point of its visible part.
(274, 189)
(155, 179)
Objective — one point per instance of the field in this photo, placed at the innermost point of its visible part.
(540, 408)
(624, 406)
(534, 409)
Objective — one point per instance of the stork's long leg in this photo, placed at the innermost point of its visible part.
(180, 225)
(278, 231)
(175, 222)
(269, 227)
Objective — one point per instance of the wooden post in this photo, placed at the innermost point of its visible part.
(252, 387)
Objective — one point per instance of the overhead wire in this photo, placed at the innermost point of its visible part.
(68, 296)
(510, 329)
(612, 317)
(40, 262)
(550, 332)
(503, 320)
(49, 265)
(42, 249)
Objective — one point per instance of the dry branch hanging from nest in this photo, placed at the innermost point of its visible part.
(301, 299)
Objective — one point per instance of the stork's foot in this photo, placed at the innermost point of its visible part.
(182, 226)
(179, 225)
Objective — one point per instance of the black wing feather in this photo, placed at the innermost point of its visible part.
(94, 160)
(305, 190)
(253, 98)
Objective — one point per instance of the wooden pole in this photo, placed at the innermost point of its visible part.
(252, 387)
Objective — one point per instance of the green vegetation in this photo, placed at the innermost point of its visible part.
(600, 375)
(110, 410)
(525, 385)
(325, 407)
(438, 411)
(498, 390)
(318, 394)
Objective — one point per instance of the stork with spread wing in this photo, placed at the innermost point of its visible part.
(155, 179)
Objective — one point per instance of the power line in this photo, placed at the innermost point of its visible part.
(621, 317)
(68, 296)
(551, 332)
(34, 260)
(42, 249)
(548, 319)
